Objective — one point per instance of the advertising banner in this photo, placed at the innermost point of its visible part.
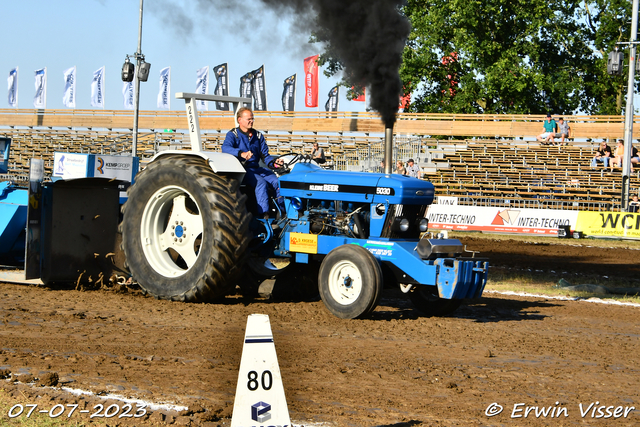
(202, 87)
(246, 87)
(222, 85)
(70, 165)
(97, 88)
(12, 83)
(128, 94)
(332, 103)
(499, 219)
(164, 98)
(311, 81)
(259, 90)
(69, 94)
(40, 99)
(609, 224)
(289, 94)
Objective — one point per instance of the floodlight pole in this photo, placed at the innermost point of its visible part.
(629, 113)
(136, 96)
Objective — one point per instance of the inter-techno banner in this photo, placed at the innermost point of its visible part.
(332, 102)
(164, 91)
(259, 90)
(202, 87)
(289, 94)
(128, 95)
(40, 99)
(311, 81)
(69, 94)
(222, 85)
(499, 219)
(246, 87)
(97, 88)
(12, 86)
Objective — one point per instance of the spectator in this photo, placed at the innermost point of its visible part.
(400, 169)
(413, 169)
(564, 131)
(549, 127)
(603, 154)
(618, 155)
(634, 157)
(617, 161)
(317, 154)
(634, 204)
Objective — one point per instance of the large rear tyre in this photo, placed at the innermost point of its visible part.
(426, 299)
(350, 282)
(185, 230)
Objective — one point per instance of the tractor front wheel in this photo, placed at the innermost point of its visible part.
(350, 282)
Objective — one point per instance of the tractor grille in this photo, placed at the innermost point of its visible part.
(395, 214)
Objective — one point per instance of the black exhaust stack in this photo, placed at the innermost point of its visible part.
(388, 149)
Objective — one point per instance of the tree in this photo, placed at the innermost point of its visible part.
(526, 57)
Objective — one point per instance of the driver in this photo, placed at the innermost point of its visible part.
(249, 146)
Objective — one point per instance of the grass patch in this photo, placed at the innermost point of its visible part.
(589, 241)
(545, 284)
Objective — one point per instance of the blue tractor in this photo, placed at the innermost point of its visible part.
(188, 234)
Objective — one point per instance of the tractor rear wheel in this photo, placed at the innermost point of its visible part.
(426, 299)
(185, 230)
(350, 281)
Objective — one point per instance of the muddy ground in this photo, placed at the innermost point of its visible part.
(396, 368)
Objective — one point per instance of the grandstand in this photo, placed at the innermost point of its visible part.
(480, 159)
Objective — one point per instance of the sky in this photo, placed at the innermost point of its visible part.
(182, 34)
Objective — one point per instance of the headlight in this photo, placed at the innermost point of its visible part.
(404, 224)
(424, 225)
(380, 209)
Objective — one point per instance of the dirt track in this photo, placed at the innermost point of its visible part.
(394, 369)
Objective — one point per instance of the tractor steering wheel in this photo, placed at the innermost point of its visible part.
(285, 167)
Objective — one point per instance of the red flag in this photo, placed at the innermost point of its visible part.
(405, 100)
(311, 81)
(363, 97)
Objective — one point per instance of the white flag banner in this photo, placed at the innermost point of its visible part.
(13, 88)
(69, 94)
(202, 87)
(40, 99)
(97, 88)
(127, 94)
(165, 89)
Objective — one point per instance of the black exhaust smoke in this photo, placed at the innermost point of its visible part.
(367, 36)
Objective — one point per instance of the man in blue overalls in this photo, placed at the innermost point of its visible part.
(249, 146)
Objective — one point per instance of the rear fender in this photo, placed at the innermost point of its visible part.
(219, 162)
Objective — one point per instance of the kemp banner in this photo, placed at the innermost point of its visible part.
(12, 83)
(311, 81)
(222, 85)
(259, 90)
(504, 220)
(289, 94)
(202, 87)
(332, 102)
(246, 87)
(609, 224)
(69, 94)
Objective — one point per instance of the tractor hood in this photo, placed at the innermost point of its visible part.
(307, 180)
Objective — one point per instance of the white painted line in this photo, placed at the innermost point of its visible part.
(150, 405)
(595, 300)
